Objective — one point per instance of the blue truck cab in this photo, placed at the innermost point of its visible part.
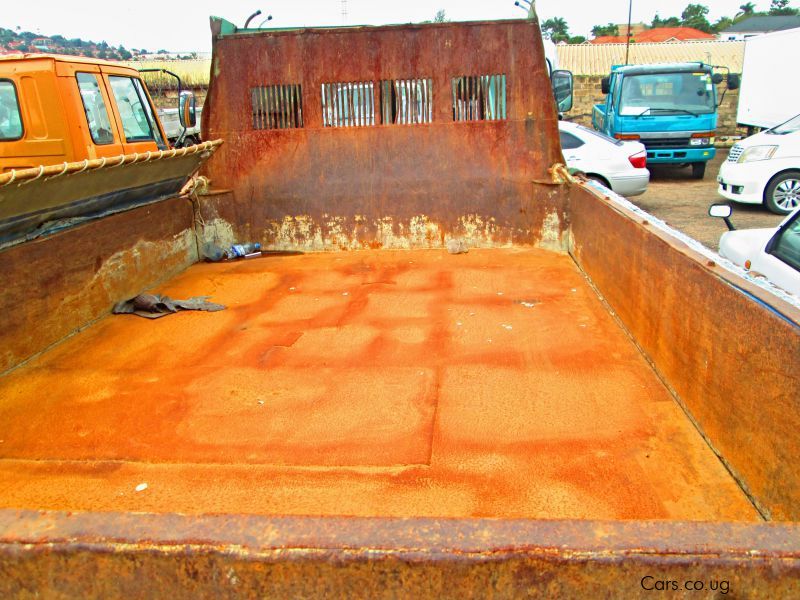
(670, 108)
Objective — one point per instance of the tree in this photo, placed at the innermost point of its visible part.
(722, 24)
(694, 15)
(746, 10)
(556, 29)
(441, 17)
(668, 22)
(781, 7)
(601, 30)
(576, 39)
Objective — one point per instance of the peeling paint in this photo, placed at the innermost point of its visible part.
(553, 235)
(337, 232)
(218, 231)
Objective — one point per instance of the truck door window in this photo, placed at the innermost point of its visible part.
(10, 118)
(138, 121)
(787, 246)
(95, 108)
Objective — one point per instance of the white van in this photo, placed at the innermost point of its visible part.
(765, 169)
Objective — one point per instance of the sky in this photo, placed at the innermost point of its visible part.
(183, 26)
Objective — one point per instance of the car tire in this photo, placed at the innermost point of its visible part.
(698, 170)
(782, 195)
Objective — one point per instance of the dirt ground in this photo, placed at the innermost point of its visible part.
(683, 202)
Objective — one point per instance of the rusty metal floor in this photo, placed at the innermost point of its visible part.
(384, 383)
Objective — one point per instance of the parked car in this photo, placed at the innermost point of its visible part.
(765, 169)
(773, 252)
(620, 166)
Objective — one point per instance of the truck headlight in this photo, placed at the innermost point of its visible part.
(702, 139)
(757, 153)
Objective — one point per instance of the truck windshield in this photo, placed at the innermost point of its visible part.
(667, 93)
(10, 120)
(138, 121)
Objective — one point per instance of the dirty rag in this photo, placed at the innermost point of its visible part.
(154, 306)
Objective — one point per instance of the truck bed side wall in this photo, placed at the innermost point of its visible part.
(731, 360)
(387, 185)
(56, 285)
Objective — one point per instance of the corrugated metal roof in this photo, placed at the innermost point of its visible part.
(597, 59)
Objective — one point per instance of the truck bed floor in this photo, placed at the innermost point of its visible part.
(375, 383)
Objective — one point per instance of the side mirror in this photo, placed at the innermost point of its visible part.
(562, 89)
(187, 109)
(605, 85)
(734, 81)
(722, 211)
(716, 78)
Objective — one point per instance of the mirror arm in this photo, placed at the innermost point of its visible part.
(182, 136)
(728, 223)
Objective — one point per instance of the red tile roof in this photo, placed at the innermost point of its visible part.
(660, 34)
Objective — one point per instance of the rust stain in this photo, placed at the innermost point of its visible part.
(715, 346)
(394, 383)
(387, 185)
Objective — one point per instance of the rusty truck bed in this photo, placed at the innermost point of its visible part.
(393, 383)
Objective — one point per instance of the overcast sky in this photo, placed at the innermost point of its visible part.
(183, 26)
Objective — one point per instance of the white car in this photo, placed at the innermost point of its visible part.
(765, 169)
(773, 252)
(620, 166)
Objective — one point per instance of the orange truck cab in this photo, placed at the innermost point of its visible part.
(56, 109)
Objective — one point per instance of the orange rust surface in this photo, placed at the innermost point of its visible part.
(392, 383)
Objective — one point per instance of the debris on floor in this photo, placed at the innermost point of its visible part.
(154, 306)
(457, 246)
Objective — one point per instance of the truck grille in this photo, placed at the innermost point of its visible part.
(665, 142)
(735, 153)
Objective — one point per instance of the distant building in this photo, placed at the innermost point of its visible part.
(42, 43)
(757, 25)
(658, 35)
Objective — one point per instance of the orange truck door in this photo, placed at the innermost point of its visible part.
(93, 130)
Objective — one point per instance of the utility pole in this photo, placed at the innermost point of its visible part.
(344, 12)
(628, 41)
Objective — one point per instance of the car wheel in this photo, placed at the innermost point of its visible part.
(698, 170)
(782, 195)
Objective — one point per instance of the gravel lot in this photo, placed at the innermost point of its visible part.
(683, 202)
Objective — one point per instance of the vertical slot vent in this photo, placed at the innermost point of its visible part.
(406, 101)
(348, 104)
(479, 98)
(277, 106)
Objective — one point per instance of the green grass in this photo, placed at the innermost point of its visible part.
(193, 73)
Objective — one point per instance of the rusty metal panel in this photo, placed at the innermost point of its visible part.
(375, 185)
(56, 285)
(47, 554)
(728, 350)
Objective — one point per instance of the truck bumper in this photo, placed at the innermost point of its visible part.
(679, 155)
